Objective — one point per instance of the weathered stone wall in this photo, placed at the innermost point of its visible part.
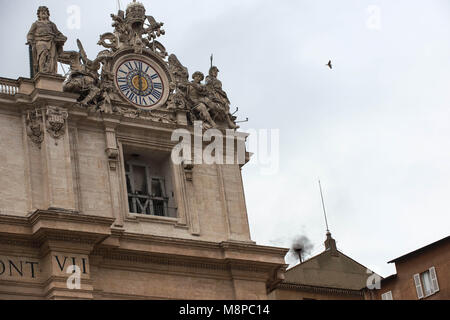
(14, 177)
(93, 177)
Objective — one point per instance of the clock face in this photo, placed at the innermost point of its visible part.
(140, 83)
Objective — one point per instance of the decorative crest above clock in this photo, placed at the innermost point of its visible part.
(135, 29)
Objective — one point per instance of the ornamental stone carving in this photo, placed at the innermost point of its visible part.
(56, 122)
(118, 80)
(134, 29)
(34, 126)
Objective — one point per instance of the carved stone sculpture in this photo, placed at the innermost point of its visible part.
(56, 122)
(134, 29)
(200, 103)
(34, 126)
(83, 77)
(179, 72)
(180, 76)
(220, 98)
(47, 43)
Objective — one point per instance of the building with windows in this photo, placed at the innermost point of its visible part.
(423, 274)
(330, 275)
(92, 203)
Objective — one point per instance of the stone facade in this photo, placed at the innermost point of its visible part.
(65, 200)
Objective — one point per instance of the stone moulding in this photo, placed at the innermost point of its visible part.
(43, 225)
(316, 289)
(46, 231)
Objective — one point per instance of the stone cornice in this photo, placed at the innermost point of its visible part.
(68, 216)
(254, 248)
(43, 224)
(61, 230)
(317, 289)
(57, 225)
(249, 247)
(14, 220)
(203, 257)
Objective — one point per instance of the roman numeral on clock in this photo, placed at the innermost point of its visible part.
(157, 85)
(129, 66)
(156, 94)
(130, 95)
(138, 65)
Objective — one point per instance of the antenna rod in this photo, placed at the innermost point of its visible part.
(212, 58)
(323, 206)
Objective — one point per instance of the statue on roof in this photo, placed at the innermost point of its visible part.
(134, 28)
(47, 43)
(84, 76)
(103, 87)
(221, 108)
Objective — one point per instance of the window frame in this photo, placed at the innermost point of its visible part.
(419, 283)
(129, 174)
(186, 215)
(427, 285)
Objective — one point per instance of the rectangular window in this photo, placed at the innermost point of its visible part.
(149, 183)
(426, 283)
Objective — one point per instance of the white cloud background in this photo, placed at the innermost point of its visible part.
(375, 129)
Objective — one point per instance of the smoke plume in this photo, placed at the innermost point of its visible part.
(302, 247)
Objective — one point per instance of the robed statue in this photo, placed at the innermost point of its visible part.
(47, 43)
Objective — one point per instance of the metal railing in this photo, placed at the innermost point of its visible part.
(150, 205)
(8, 86)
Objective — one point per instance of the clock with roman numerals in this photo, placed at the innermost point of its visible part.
(142, 82)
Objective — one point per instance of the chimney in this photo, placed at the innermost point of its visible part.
(299, 253)
(330, 244)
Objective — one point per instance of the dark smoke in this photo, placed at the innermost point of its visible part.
(302, 247)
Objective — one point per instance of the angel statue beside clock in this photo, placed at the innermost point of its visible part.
(134, 75)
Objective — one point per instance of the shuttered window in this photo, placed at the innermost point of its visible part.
(426, 283)
(434, 280)
(418, 286)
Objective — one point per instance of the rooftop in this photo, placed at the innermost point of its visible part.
(421, 250)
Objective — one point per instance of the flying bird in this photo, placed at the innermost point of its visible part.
(329, 65)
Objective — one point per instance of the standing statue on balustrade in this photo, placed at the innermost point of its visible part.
(47, 43)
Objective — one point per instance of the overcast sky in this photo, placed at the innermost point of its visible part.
(375, 129)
